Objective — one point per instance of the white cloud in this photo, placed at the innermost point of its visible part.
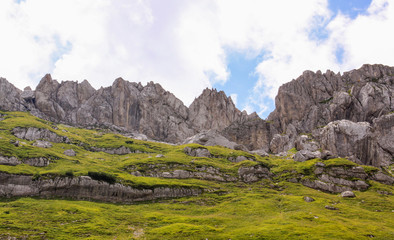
(184, 44)
(368, 38)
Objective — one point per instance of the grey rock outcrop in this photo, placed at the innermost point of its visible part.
(304, 155)
(10, 161)
(182, 172)
(85, 188)
(14, 161)
(211, 138)
(37, 162)
(197, 152)
(254, 173)
(362, 142)
(32, 134)
(122, 150)
(338, 179)
(42, 144)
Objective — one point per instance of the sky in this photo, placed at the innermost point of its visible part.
(247, 48)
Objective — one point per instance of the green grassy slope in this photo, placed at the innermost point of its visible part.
(267, 209)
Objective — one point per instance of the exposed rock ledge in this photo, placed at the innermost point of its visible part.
(339, 178)
(85, 188)
(35, 162)
(32, 134)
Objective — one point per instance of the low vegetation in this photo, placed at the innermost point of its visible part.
(267, 209)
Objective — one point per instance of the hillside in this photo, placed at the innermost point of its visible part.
(150, 190)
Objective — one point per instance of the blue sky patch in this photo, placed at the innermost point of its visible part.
(351, 8)
(242, 77)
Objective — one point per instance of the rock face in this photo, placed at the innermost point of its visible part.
(213, 110)
(84, 188)
(364, 97)
(315, 99)
(10, 97)
(149, 110)
(252, 132)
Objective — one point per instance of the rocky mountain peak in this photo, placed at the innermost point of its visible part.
(213, 110)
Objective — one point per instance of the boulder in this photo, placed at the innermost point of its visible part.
(42, 144)
(70, 153)
(308, 199)
(303, 155)
(260, 152)
(197, 152)
(304, 142)
(331, 207)
(210, 138)
(348, 194)
(278, 143)
(37, 162)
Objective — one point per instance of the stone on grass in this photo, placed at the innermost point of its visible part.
(348, 194)
(308, 199)
(70, 152)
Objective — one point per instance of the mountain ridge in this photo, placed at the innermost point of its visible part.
(303, 105)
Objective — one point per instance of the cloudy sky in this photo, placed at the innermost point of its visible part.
(248, 48)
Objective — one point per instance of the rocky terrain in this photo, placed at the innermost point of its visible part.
(349, 115)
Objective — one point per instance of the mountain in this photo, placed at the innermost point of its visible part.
(323, 159)
(306, 105)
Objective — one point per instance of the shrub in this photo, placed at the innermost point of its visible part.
(36, 176)
(101, 176)
(69, 173)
